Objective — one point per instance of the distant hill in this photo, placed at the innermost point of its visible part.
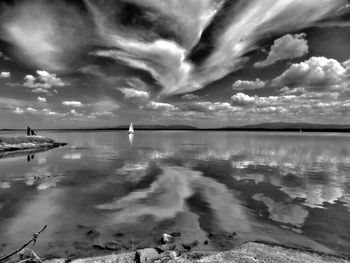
(284, 126)
(276, 126)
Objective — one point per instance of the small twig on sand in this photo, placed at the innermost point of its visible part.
(35, 236)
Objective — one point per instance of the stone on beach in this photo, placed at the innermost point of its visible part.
(191, 245)
(167, 239)
(146, 255)
(250, 252)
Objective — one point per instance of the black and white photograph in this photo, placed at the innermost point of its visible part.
(174, 131)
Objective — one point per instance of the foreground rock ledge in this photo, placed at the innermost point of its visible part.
(250, 252)
(27, 143)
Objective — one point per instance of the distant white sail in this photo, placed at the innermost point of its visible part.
(131, 129)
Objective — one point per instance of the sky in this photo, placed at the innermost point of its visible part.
(206, 63)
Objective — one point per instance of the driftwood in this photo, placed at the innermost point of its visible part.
(35, 236)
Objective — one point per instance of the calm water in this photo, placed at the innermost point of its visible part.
(282, 187)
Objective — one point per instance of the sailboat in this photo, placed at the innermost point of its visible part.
(131, 129)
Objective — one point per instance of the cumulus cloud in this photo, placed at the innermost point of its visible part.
(130, 93)
(248, 85)
(5, 74)
(286, 47)
(207, 106)
(315, 88)
(102, 113)
(75, 113)
(190, 96)
(159, 106)
(72, 103)
(316, 73)
(31, 110)
(52, 113)
(43, 82)
(18, 110)
(41, 99)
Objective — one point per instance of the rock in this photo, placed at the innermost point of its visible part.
(175, 234)
(166, 257)
(205, 242)
(98, 246)
(93, 233)
(234, 234)
(164, 248)
(119, 234)
(210, 235)
(167, 239)
(146, 255)
(189, 246)
(112, 245)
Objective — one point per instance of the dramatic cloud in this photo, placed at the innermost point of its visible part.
(248, 84)
(167, 62)
(164, 60)
(256, 20)
(29, 26)
(134, 56)
(73, 103)
(186, 21)
(5, 75)
(43, 82)
(286, 47)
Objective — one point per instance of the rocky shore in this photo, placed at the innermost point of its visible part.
(26, 143)
(170, 249)
(250, 252)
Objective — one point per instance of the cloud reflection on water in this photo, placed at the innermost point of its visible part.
(167, 196)
(252, 184)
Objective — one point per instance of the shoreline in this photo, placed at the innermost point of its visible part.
(251, 251)
(26, 144)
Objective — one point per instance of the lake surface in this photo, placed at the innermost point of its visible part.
(290, 188)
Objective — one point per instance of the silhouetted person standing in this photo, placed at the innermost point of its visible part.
(28, 131)
(32, 132)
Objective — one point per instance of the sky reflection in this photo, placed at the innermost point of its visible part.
(275, 187)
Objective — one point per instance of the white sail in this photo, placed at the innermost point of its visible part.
(131, 129)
